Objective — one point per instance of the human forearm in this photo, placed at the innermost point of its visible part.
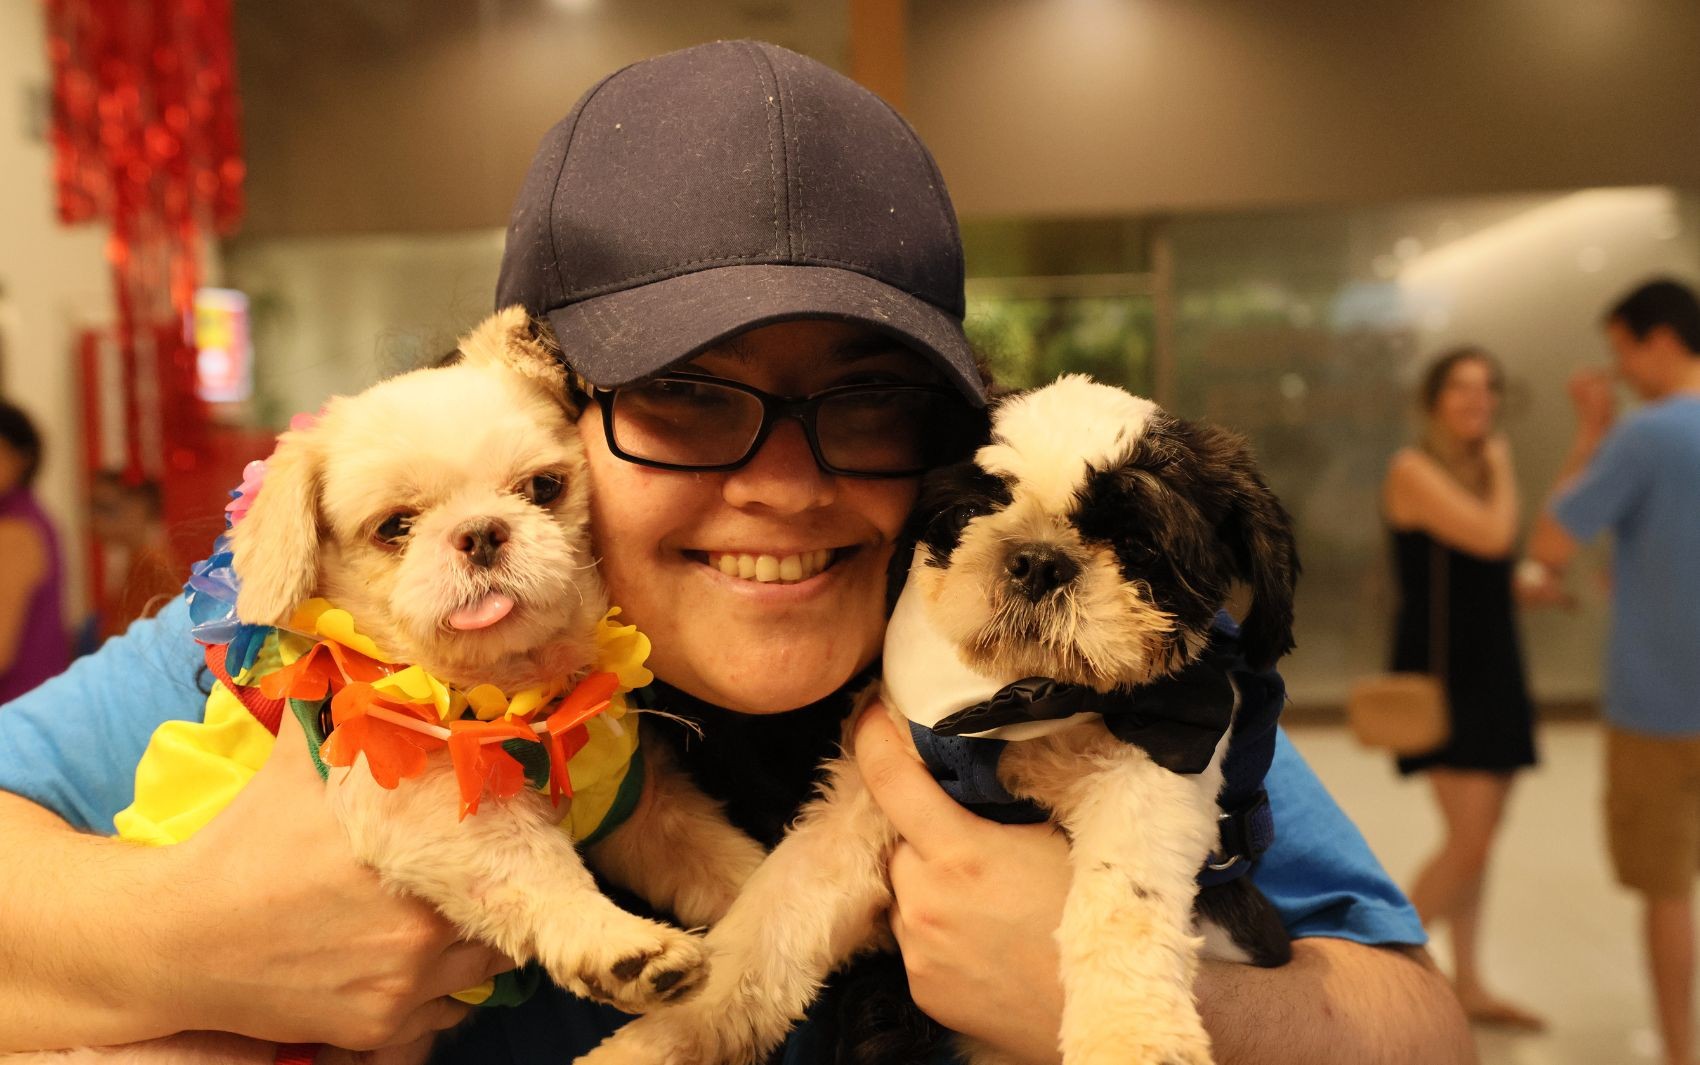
(1550, 543)
(1582, 450)
(1336, 1001)
(1504, 511)
(262, 923)
(1420, 494)
(79, 951)
(1500, 511)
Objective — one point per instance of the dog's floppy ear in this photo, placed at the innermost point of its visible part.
(948, 497)
(1259, 534)
(512, 339)
(276, 545)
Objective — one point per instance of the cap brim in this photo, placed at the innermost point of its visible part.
(628, 335)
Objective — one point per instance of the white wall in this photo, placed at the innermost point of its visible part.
(55, 279)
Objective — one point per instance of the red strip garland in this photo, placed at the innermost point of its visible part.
(145, 138)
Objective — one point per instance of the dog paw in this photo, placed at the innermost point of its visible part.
(644, 966)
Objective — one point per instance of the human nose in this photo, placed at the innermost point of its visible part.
(782, 476)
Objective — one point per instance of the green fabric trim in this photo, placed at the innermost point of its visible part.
(533, 758)
(625, 800)
(515, 986)
(308, 714)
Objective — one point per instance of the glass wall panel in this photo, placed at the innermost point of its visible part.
(1032, 332)
(332, 315)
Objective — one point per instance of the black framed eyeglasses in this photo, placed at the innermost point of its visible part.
(685, 421)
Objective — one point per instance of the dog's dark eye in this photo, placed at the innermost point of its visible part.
(394, 529)
(544, 488)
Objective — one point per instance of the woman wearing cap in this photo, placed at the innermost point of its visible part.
(740, 213)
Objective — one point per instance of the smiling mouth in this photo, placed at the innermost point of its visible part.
(771, 569)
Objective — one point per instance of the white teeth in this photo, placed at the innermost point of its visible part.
(772, 569)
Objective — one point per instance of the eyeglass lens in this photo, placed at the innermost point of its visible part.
(700, 423)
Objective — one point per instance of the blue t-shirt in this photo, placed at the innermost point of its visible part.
(72, 746)
(1644, 485)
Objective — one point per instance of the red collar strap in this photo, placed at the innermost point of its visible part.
(267, 712)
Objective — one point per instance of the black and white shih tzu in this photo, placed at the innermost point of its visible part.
(1060, 596)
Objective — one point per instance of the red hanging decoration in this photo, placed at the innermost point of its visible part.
(145, 138)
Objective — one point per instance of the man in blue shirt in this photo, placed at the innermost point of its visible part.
(1640, 479)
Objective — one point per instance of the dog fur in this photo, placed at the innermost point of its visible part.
(1153, 521)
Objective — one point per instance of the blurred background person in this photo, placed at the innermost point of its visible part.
(1640, 479)
(125, 518)
(1451, 503)
(33, 644)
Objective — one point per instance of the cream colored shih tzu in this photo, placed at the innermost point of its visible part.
(437, 525)
(447, 512)
(1062, 597)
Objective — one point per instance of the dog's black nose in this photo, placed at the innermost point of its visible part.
(481, 541)
(1040, 569)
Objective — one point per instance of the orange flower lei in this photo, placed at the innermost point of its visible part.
(397, 715)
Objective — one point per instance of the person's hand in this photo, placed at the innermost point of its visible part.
(415, 1053)
(1595, 399)
(281, 934)
(977, 903)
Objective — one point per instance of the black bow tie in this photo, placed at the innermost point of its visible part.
(1177, 720)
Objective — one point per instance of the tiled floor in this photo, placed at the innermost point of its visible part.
(1561, 936)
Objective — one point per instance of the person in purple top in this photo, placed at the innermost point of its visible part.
(33, 644)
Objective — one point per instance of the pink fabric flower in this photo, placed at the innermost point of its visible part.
(253, 475)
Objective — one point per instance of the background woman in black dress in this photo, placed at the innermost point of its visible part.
(1451, 502)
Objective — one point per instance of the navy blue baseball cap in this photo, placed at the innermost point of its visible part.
(693, 196)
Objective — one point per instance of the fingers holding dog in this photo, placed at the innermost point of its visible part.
(468, 963)
(927, 818)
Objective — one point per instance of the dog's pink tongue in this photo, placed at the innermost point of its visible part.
(481, 615)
